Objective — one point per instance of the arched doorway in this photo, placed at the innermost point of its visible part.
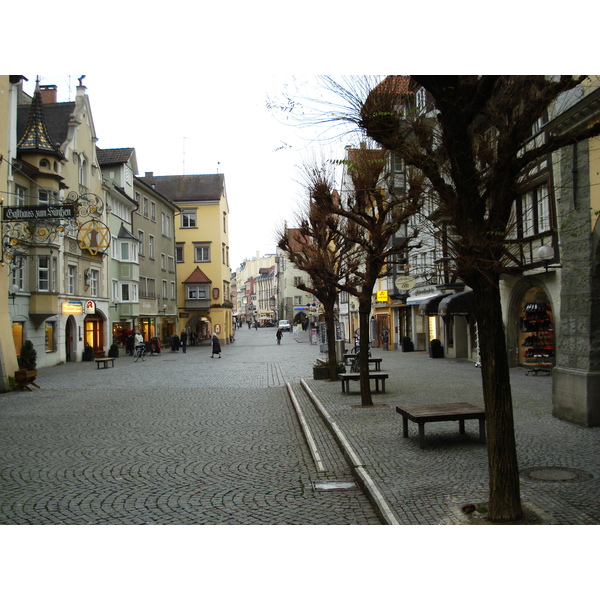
(535, 330)
(71, 340)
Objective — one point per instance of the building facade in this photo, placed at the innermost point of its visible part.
(201, 252)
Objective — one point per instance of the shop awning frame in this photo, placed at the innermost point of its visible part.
(430, 307)
(462, 304)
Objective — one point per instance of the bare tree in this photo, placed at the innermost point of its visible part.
(370, 220)
(473, 150)
(317, 247)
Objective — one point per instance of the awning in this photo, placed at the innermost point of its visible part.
(430, 307)
(462, 303)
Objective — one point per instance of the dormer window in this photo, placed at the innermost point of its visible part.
(44, 163)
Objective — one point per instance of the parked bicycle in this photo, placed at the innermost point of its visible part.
(140, 352)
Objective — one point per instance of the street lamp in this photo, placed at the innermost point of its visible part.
(13, 289)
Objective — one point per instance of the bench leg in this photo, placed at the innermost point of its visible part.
(383, 386)
(482, 431)
(461, 426)
(421, 435)
(405, 426)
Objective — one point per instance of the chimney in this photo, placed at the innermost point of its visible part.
(149, 173)
(49, 93)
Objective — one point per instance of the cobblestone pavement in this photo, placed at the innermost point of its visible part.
(183, 438)
(176, 439)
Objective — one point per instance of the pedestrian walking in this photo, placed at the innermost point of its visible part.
(184, 338)
(216, 346)
(131, 343)
(279, 335)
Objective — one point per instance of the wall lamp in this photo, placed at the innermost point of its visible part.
(116, 304)
(13, 289)
(546, 254)
(164, 309)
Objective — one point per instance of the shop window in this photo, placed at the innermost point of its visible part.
(17, 330)
(50, 336)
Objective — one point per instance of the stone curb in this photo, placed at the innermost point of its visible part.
(380, 505)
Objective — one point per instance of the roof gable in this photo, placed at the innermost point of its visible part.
(198, 276)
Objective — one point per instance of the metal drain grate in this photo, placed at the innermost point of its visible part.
(556, 474)
(331, 486)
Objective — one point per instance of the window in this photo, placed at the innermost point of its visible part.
(171, 264)
(94, 280)
(202, 253)
(531, 214)
(151, 287)
(141, 242)
(20, 195)
(18, 274)
(143, 286)
(164, 289)
(43, 197)
(173, 290)
(188, 219)
(125, 251)
(179, 256)
(43, 274)
(151, 246)
(129, 292)
(165, 221)
(163, 262)
(71, 279)
(199, 292)
(153, 211)
(145, 207)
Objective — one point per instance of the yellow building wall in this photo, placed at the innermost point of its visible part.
(209, 220)
(8, 355)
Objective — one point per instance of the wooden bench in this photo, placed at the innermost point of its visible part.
(378, 376)
(429, 413)
(372, 361)
(104, 362)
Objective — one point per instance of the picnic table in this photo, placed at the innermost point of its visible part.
(429, 413)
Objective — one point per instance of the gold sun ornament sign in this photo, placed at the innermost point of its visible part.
(94, 237)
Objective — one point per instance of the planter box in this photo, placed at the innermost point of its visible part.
(25, 378)
(320, 372)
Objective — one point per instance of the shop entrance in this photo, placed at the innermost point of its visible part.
(94, 334)
(536, 331)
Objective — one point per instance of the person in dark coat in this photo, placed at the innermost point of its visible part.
(216, 346)
(184, 338)
(279, 335)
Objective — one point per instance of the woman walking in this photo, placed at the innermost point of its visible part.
(216, 346)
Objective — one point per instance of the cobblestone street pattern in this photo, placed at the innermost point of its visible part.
(176, 439)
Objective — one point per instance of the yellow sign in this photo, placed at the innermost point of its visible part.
(72, 308)
(382, 296)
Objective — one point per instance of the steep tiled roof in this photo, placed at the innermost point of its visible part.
(35, 135)
(198, 276)
(57, 117)
(188, 187)
(114, 156)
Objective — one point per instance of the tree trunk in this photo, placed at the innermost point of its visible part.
(365, 383)
(504, 502)
(328, 308)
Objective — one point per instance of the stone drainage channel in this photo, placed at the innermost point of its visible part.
(380, 505)
(363, 478)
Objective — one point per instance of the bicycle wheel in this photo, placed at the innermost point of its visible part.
(143, 353)
(136, 354)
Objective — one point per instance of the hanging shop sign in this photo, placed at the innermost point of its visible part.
(382, 296)
(405, 282)
(90, 307)
(31, 213)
